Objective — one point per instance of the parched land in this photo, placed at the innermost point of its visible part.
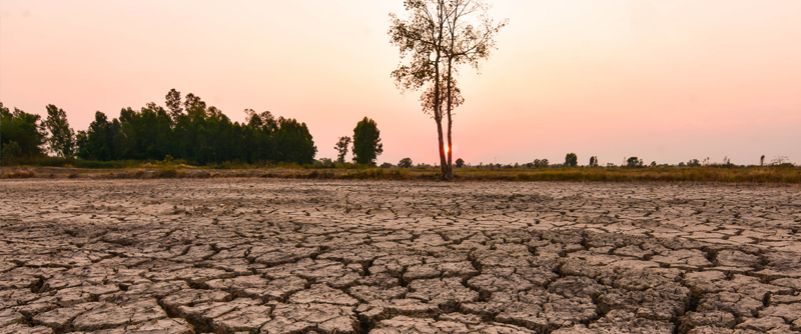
(291, 256)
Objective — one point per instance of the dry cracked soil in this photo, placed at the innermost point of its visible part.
(283, 256)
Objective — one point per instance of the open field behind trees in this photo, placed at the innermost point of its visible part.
(140, 170)
(334, 256)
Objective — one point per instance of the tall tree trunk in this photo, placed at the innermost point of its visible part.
(442, 163)
(452, 27)
(449, 113)
(438, 89)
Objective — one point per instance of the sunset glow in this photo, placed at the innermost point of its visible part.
(664, 80)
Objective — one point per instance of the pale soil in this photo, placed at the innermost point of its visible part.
(279, 256)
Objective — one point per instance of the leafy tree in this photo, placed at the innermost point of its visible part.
(294, 142)
(260, 134)
(693, 163)
(366, 142)
(541, 163)
(593, 161)
(97, 142)
(571, 160)
(189, 130)
(405, 163)
(634, 162)
(342, 148)
(145, 135)
(173, 102)
(459, 163)
(762, 160)
(21, 134)
(435, 39)
(62, 137)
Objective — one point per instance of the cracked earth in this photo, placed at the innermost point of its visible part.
(282, 256)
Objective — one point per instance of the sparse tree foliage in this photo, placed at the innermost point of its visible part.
(405, 163)
(342, 148)
(366, 142)
(571, 160)
(62, 138)
(593, 161)
(434, 40)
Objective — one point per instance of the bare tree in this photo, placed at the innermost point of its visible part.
(436, 38)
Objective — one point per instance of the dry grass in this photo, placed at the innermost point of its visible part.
(653, 174)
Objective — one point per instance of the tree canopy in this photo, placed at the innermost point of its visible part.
(187, 129)
(62, 137)
(21, 134)
(366, 142)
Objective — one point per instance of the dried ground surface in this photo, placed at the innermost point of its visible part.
(277, 256)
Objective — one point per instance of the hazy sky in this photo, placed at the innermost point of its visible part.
(664, 80)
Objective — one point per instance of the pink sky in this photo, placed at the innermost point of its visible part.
(662, 80)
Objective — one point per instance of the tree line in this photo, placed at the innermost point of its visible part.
(187, 129)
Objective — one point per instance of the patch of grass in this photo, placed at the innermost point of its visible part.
(656, 174)
(581, 174)
(17, 174)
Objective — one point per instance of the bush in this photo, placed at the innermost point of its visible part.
(405, 163)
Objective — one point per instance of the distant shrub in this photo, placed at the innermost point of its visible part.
(634, 162)
(405, 163)
(540, 163)
(325, 163)
(571, 160)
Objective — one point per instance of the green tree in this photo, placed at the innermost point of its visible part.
(21, 134)
(634, 162)
(260, 132)
(62, 137)
(571, 160)
(366, 142)
(97, 142)
(145, 135)
(173, 102)
(342, 148)
(459, 163)
(593, 161)
(405, 163)
(294, 142)
(436, 38)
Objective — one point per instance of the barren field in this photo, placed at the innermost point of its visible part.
(280, 256)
